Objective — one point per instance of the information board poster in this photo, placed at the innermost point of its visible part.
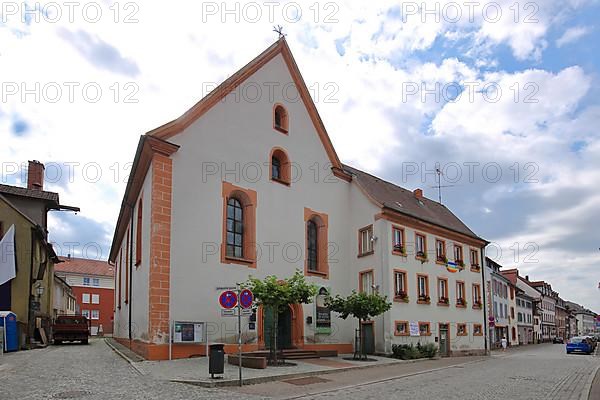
(323, 323)
(188, 332)
(414, 328)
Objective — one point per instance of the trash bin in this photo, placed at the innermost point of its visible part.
(216, 361)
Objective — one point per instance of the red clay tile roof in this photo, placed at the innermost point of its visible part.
(84, 266)
(404, 201)
(31, 193)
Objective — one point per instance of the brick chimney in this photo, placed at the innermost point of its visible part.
(418, 193)
(35, 175)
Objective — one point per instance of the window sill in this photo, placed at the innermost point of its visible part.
(477, 307)
(368, 253)
(238, 260)
(401, 334)
(422, 259)
(462, 334)
(461, 306)
(440, 263)
(475, 269)
(478, 334)
(425, 334)
(281, 182)
(317, 273)
(398, 253)
(400, 300)
(280, 129)
(443, 304)
(423, 302)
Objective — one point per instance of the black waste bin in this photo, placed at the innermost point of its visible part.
(216, 361)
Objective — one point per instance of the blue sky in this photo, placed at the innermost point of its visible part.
(151, 64)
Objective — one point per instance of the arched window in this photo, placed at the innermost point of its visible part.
(312, 243)
(275, 168)
(235, 228)
(280, 119)
(280, 166)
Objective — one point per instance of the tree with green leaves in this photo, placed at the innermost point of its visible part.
(276, 295)
(362, 306)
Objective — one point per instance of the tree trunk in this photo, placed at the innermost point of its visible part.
(362, 340)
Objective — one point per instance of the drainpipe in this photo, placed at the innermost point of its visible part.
(30, 280)
(131, 271)
(484, 293)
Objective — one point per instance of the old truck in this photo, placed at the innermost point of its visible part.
(71, 328)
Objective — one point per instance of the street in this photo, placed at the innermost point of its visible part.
(96, 372)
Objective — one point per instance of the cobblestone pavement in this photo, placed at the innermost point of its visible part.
(535, 372)
(58, 371)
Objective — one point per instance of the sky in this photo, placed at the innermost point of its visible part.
(501, 96)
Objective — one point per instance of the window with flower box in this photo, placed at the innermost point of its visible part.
(398, 246)
(458, 255)
(423, 289)
(401, 328)
(477, 330)
(420, 247)
(400, 286)
(443, 299)
(440, 251)
(461, 329)
(424, 328)
(461, 300)
(474, 259)
(477, 296)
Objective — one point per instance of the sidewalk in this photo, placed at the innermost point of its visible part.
(195, 370)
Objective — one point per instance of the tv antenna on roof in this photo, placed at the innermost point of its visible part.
(439, 185)
(279, 30)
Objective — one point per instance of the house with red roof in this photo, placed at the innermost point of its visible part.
(93, 286)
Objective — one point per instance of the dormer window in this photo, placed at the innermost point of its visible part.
(280, 119)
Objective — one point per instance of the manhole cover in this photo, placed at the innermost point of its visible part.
(310, 380)
(73, 394)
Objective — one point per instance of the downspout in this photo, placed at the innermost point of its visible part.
(30, 279)
(485, 304)
(131, 271)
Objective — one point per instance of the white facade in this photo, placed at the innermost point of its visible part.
(525, 319)
(586, 324)
(229, 146)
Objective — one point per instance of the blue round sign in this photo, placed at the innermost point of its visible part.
(228, 299)
(246, 298)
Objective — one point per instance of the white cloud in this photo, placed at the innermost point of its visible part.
(572, 35)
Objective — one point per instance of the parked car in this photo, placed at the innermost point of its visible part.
(557, 339)
(69, 328)
(579, 344)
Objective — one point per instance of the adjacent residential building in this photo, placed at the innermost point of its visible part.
(561, 318)
(238, 187)
(525, 318)
(65, 302)
(585, 320)
(30, 293)
(94, 288)
(502, 305)
(548, 312)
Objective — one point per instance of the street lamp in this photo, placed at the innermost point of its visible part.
(39, 291)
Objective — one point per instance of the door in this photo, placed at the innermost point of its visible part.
(444, 341)
(284, 329)
(369, 337)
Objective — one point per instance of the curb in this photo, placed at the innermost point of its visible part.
(264, 379)
(587, 389)
(124, 357)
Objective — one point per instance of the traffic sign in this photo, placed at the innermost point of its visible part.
(246, 298)
(228, 299)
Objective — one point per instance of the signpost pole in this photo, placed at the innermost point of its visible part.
(239, 307)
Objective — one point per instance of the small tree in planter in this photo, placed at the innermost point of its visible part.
(276, 295)
(362, 306)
